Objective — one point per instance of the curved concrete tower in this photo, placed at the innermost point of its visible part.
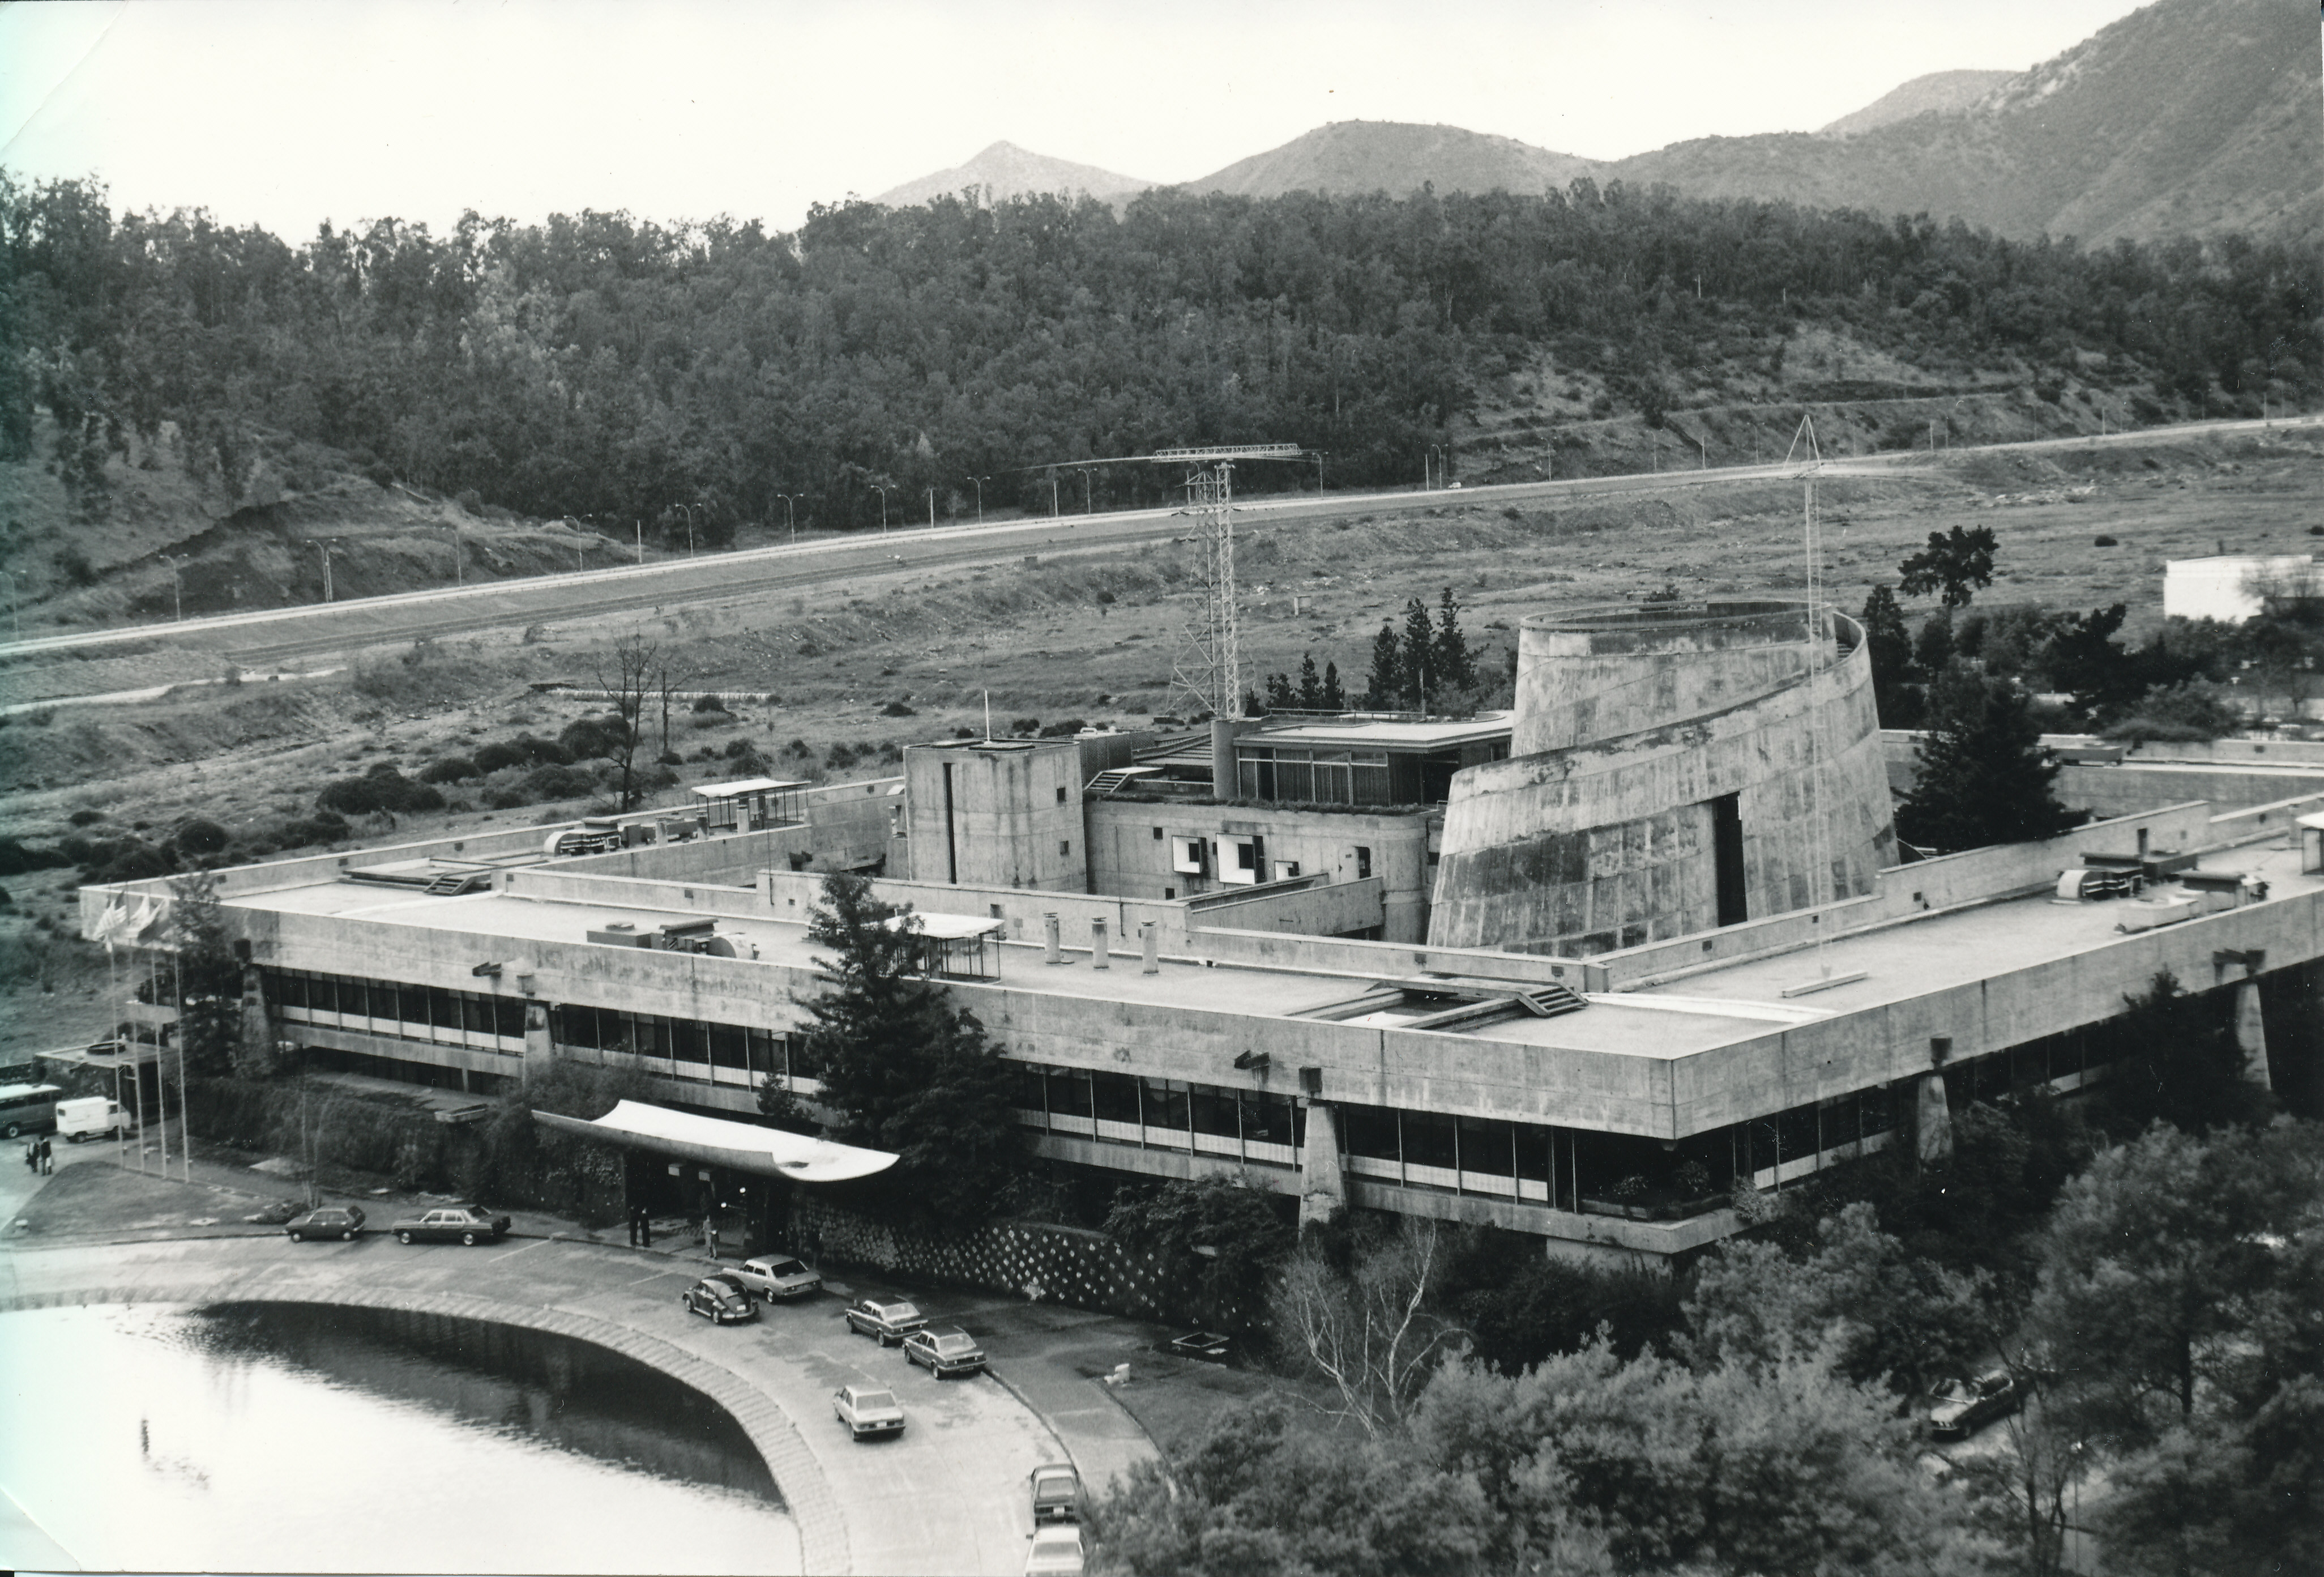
(1675, 768)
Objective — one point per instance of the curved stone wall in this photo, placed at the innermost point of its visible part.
(1650, 742)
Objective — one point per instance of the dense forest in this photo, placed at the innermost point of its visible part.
(600, 365)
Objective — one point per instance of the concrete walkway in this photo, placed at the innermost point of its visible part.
(950, 1496)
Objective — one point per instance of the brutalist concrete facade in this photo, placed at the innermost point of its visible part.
(1676, 768)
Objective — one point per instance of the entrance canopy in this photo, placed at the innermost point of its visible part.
(740, 1146)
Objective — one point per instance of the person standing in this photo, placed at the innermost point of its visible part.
(633, 1226)
(710, 1234)
(47, 1157)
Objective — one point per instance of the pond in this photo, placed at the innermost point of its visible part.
(276, 1437)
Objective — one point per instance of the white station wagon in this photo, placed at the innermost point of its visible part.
(777, 1275)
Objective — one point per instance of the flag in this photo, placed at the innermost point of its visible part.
(107, 929)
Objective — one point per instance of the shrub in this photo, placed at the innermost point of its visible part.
(1025, 725)
(134, 860)
(558, 782)
(508, 798)
(669, 758)
(1064, 730)
(16, 860)
(449, 769)
(382, 788)
(584, 738)
(737, 748)
(201, 836)
(524, 750)
(2102, 542)
(82, 818)
(709, 704)
(895, 708)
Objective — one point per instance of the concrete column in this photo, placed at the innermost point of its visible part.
(1151, 945)
(1100, 952)
(1932, 1120)
(257, 1023)
(1223, 758)
(539, 1051)
(1050, 940)
(2250, 1032)
(1323, 1175)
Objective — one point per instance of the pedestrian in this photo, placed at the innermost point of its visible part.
(633, 1226)
(32, 1157)
(710, 1234)
(47, 1157)
(645, 1228)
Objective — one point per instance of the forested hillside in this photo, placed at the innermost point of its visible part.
(602, 366)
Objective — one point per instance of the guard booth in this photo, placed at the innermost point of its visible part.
(746, 804)
(698, 1168)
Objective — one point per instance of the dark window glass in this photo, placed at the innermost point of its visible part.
(1533, 1153)
(1069, 1092)
(1031, 1094)
(1796, 1129)
(576, 1025)
(284, 988)
(1165, 1108)
(411, 1007)
(1839, 1119)
(1115, 1096)
(1266, 1119)
(1214, 1113)
(801, 1057)
(1427, 1140)
(443, 1008)
(765, 1056)
(1876, 1111)
(728, 1047)
(508, 1018)
(1371, 1132)
(475, 1013)
(1487, 1147)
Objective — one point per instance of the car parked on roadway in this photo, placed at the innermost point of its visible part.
(1962, 1405)
(946, 1352)
(720, 1299)
(1057, 1493)
(777, 1275)
(466, 1223)
(1056, 1552)
(887, 1320)
(867, 1412)
(345, 1222)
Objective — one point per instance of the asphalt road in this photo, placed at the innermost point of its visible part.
(269, 638)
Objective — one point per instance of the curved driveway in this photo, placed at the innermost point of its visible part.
(948, 1496)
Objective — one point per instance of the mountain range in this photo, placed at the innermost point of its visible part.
(2187, 116)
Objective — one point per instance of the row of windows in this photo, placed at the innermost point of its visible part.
(1168, 1113)
(419, 1013)
(1325, 777)
(686, 1042)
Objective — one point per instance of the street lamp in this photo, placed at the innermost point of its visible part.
(789, 522)
(1087, 508)
(688, 513)
(932, 509)
(883, 505)
(325, 549)
(177, 584)
(980, 482)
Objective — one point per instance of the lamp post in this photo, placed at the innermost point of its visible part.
(980, 482)
(883, 507)
(932, 509)
(1088, 508)
(789, 523)
(177, 585)
(688, 513)
(325, 549)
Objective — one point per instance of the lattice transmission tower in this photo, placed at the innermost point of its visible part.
(1209, 669)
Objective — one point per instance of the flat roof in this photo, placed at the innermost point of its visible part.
(742, 786)
(1384, 731)
(1933, 953)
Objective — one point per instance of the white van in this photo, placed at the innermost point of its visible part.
(77, 1120)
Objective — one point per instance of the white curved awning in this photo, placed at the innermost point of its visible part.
(718, 1142)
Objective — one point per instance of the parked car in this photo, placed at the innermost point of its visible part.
(1056, 1552)
(867, 1412)
(890, 1320)
(948, 1352)
(721, 1299)
(469, 1224)
(1057, 1493)
(343, 1222)
(1962, 1405)
(777, 1275)
(277, 1214)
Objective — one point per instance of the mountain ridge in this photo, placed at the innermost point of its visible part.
(1004, 170)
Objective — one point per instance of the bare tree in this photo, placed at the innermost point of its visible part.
(668, 676)
(1366, 1329)
(629, 681)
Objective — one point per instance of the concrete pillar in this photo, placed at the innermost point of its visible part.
(257, 1025)
(539, 1051)
(1100, 955)
(1932, 1120)
(2250, 1032)
(1050, 942)
(1223, 760)
(1149, 943)
(1323, 1175)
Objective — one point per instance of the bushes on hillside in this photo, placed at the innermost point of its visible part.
(449, 769)
(524, 750)
(382, 788)
(557, 782)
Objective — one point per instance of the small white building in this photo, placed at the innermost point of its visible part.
(2229, 587)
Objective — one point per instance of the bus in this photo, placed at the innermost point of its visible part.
(28, 1109)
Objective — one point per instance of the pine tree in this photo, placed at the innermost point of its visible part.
(1421, 678)
(1890, 646)
(1280, 696)
(1384, 690)
(1310, 685)
(1983, 776)
(1334, 698)
(1452, 667)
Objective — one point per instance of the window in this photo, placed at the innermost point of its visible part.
(1285, 869)
(728, 1047)
(1170, 892)
(1064, 846)
(1214, 1113)
(1061, 794)
(1115, 1097)
(1363, 862)
(1241, 859)
(1157, 835)
(1186, 856)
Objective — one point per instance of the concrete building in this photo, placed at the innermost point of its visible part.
(2234, 587)
(1677, 768)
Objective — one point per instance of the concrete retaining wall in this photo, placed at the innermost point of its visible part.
(1036, 1260)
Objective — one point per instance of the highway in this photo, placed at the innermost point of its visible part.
(268, 638)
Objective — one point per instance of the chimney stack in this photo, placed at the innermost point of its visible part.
(1049, 933)
(1152, 944)
(1099, 959)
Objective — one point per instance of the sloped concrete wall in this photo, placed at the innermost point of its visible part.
(1597, 836)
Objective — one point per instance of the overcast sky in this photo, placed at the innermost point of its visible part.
(288, 113)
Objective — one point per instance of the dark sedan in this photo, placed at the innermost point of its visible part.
(886, 1320)
(469, 1224)
(719, 1299)
(1962, 1405)
(345, 1222)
